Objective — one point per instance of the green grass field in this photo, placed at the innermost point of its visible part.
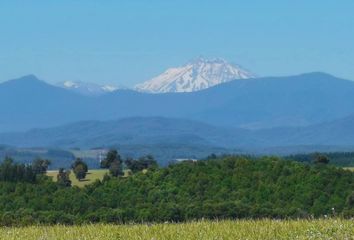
(91, 176)
(245, 229)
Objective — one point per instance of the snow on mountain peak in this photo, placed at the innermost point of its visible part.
(69, 84)
(109, 88)
(87, 88)
(198, 74)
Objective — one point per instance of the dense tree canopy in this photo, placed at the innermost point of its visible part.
(16, 172)
(233, 187)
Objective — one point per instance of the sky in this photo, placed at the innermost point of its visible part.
(129, 41)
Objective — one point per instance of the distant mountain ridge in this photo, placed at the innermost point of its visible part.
(339, 132)
(257, 103)
(194, 76)
(157, 134)
(129, 131)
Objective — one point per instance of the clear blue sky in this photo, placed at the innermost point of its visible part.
(126, 42)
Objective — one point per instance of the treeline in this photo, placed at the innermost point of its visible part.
(19, 172)
(343, 159)
(233, 187)
(113, 162)
(11, 171)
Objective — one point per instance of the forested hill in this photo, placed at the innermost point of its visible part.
(227, 188)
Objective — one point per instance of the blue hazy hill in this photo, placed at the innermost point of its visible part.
(301, 100)
(161, 130)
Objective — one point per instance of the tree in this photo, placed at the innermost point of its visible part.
(40, 166)
(116, 169)
(131, 164)
(321, 159)
(63, 178)
(111, 156)
(16, 172)
(80, 172)
(145, 162)
(77, 162)
(148, 162)
(80, 169)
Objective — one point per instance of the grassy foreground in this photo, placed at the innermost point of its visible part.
(244, 229)
(91, 176)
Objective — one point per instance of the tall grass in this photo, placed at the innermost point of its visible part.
(243, 229)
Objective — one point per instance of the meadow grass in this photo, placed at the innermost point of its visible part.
(91, 176)
(208, 230)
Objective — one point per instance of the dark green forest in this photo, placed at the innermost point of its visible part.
(227, 188)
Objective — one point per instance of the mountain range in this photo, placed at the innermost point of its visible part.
(307, 112)
(257, 103)
(129, 131)
(196, 75)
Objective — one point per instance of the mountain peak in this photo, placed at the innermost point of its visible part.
(29, 77)
(198, 74)
(203, 60)
(25, 80)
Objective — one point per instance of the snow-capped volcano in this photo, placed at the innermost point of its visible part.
(87, 88)
(195, 75)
